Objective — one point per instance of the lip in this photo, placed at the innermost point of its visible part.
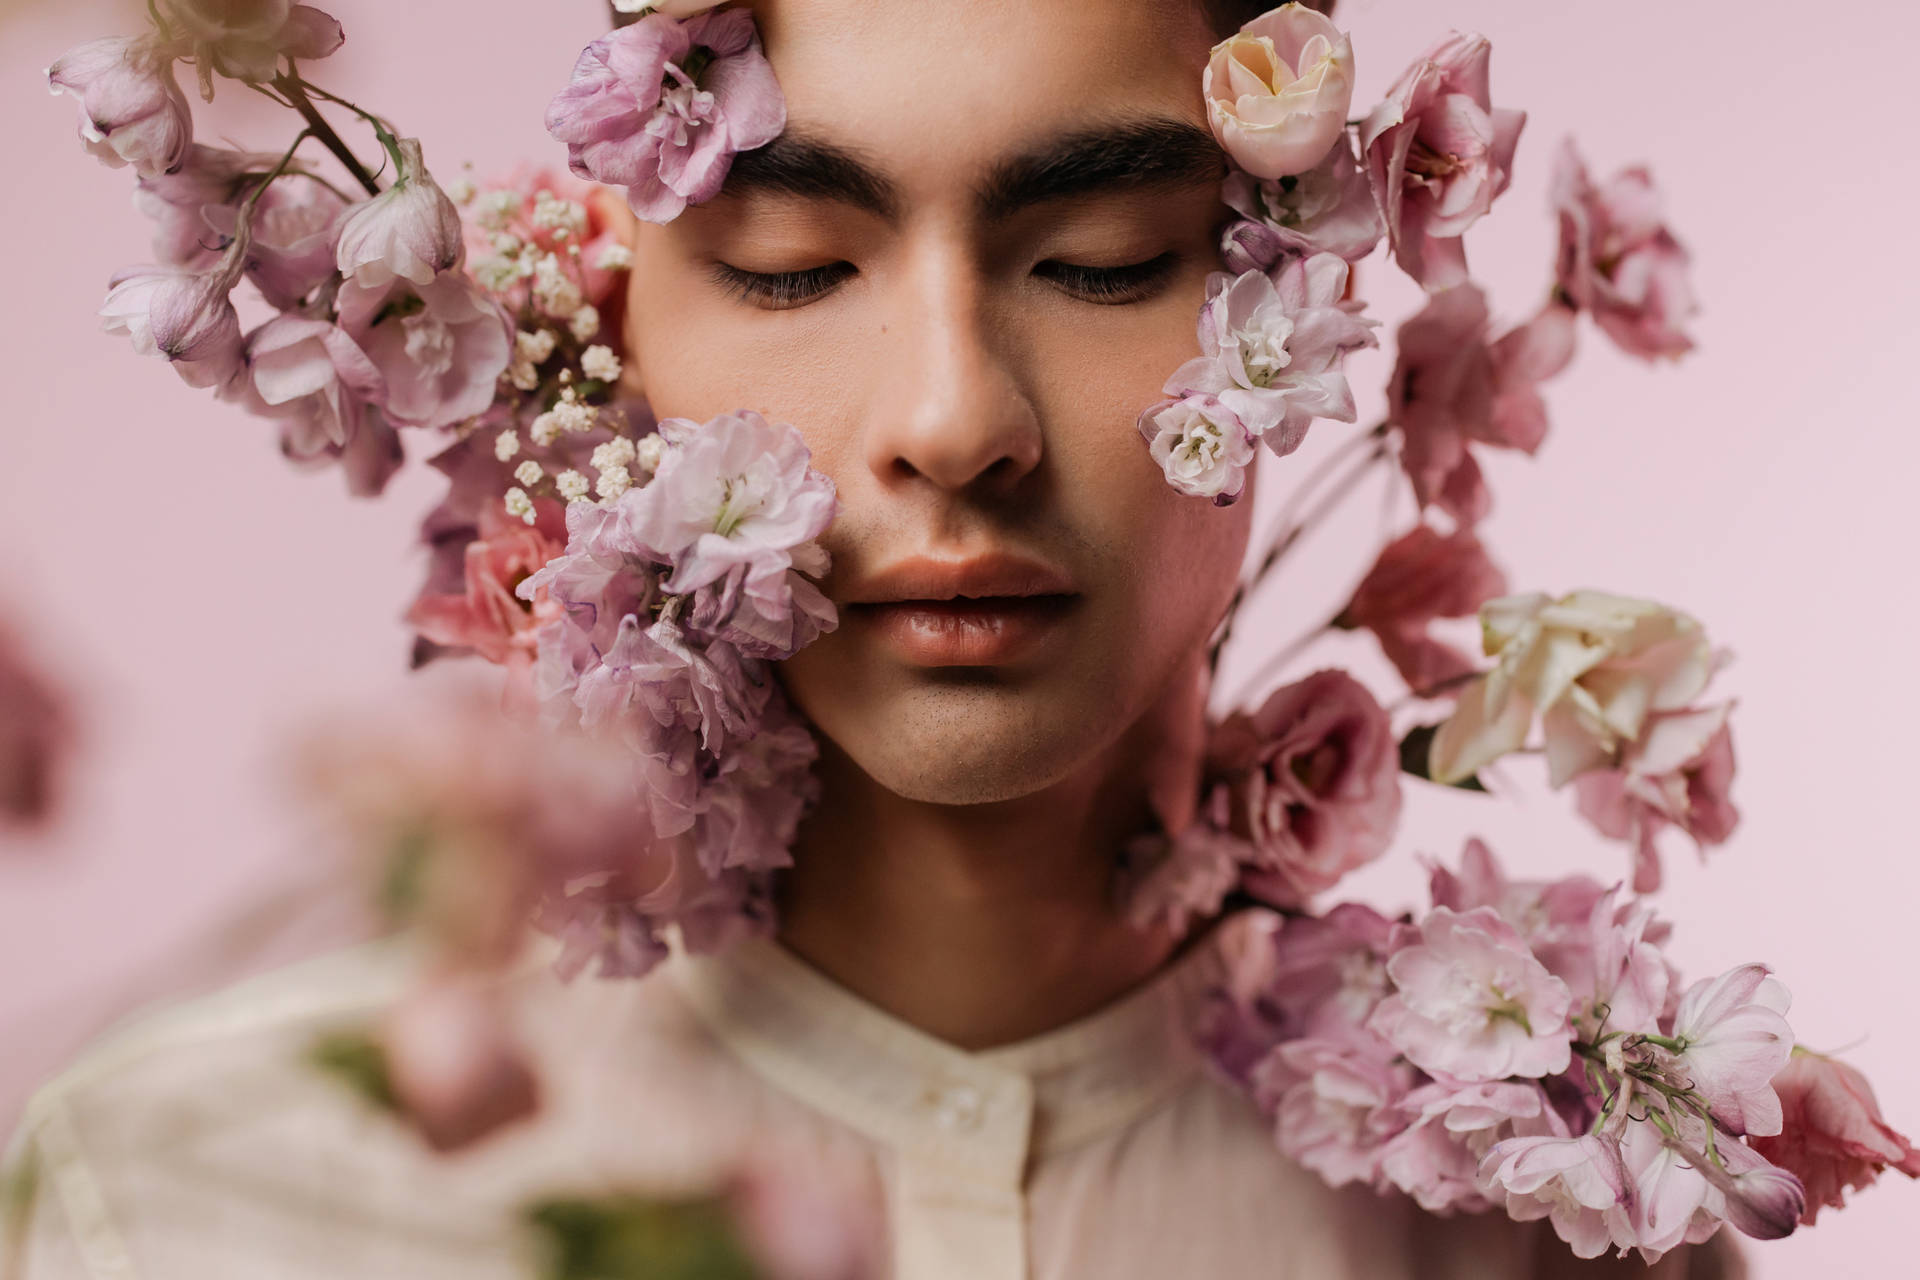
(985, 610)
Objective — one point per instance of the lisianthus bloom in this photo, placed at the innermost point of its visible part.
(1313, 778)
(1593, 666)
(1733, 1040)
(1678, 773)
(1201, 445)
(1452, 387)
(1278, 91)
(185, 317)
(1327, 209)
(662, 106)
(486, 616)
(246, 40)
(410, 230)
(1832, 1135)
(1438, 154)
(131, 108)
(1418, 577)
(452, 1063)
(1470, 1000)
(1271, 349)
(440, 347)
(1618, 261)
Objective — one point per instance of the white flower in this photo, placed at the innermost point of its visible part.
(648, 452)
(1200, 445)
(528, 472)
(495, 272)
(617, 452)
(584, 323)
(599, 362)
(571, 484)
(535, 346)
(563, 217)
(522, 374)
(506, 444)
(553, 289)
(496, 209)
(615, 257)
(544, 429)
(462, 190)
(519, 504)
(613, 482)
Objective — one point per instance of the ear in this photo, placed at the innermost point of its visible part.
(606, 206)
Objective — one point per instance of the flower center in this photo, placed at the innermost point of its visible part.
(429, 342)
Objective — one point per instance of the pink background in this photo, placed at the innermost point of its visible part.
(205, 597)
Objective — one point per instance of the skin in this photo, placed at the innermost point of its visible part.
(965, 396)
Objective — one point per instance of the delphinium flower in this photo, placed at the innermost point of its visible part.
(246, 41)
(1832, 1135)
(131, 108)
(1618, 261)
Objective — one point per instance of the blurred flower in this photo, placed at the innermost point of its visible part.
(1618, 261)
(291, 247)
(36, 737)
(1581, 1182)
(1327, 209)
(662, 106)
(410, 230)
(1313, 778)
(1832, 1135)
(1448, 1125)
(176, 201)
(1418, 577)
(440, 347)
(131, 109)
(1678, 772)
(1438, 154)
(452, 1063)
(245, 39)
(1278, 91)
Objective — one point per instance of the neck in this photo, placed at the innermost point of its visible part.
(979, 924)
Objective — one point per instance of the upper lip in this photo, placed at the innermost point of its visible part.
(996, 574)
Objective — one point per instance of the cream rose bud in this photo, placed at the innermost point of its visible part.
(1278, 92)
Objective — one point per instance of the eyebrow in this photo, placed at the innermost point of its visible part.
(1152, 153)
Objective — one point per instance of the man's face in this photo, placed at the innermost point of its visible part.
(971, 260)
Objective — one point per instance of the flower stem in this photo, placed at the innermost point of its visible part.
(294, 89)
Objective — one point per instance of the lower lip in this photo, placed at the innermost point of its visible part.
(966, 633)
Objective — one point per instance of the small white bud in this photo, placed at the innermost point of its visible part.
(613, 482)
(461, 191)
(528, 472)
(615, 453)
(649, 451)
(584, 323)
(535, 346)
(506, 444)
(519, 504)
(544, 429)
(599, 362)
(571, 484)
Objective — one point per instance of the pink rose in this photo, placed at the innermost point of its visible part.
(1678, 773)
(1832, 1134)
(487, 617)
(1277, 93)
(1438, 155)
(1618, 261)
(1314, 782)
(1420, 576)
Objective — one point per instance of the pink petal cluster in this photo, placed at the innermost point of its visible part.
(1326, 209)
(1832, 1135)
(1419, 577)
(1438, 154)
(486, 616)
(662, 106)
(131, 108)
(674, 598)
(439, 348)
(1277, 92)
(1619, 262)
(1677, 773)
(1453, 386)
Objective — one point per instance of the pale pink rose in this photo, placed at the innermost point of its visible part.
(1618, 261)
(1314, 781)
(131, 108)
(440, 347)
(1579, 1182)
(1419, 577)
(1277, 92)
(1678, 773)
(1453, 386)
(1734, 1039)
(410, 230)
(1200, 445)
(487, 617)
(1327, 209)
(1185, 879)
(1832, 1135)
(1438, 154)
(1593, 666)
(455, 1070)
(1471, 1001)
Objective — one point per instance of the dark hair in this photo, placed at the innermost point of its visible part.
(1227, 16)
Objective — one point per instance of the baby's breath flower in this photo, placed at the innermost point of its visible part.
(535, 346)
(562, 217)
(615, 453)
(519, 504)
(495, 272)
(599, 362)
(648, 452)
(461, 191)
(544, 429)
(496, 209)
(528, 472)
(615, 257)
(522, 374)
(571, 484)
(553, 289)
(506, 444)
(584, 322)
(505, 243)
(574, 416)
(613, 482)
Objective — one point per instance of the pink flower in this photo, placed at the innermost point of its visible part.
(1471, 1001)
(487, 617)
(1277, 92)
(410, 230)
(1452, 387)
(1333, 1104)
(36, 737)
(1678, 772)
(185, 317)
(1418, 577)
(1436, 1158)
(1200, 444)
(310, 374)
(1759, 1199)
(754, 803)
(1832, 1135)
(1733, 1041)
(368, 459)
(1438, 155)
(662, 106)
(291, 249)
(1271, 348)
(1618, 261)
(1667, 1191)
(176, 201)
(440, 347)
(246, 40)
(453, 1066)
(1327, 209)
(131, 109)
(1314, 781)
(1581, 1183)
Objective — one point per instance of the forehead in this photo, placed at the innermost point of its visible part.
(937, 91)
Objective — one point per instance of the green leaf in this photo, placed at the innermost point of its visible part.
(1415, 750)
(630, 1238)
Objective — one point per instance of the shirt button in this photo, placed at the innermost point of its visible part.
(958, 1108)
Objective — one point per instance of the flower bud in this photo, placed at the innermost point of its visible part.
(1278, 91)
(131, 110)
(410, 230)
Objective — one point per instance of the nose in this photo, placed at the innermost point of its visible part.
(950, 410)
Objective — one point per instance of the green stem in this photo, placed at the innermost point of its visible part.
(291, 86)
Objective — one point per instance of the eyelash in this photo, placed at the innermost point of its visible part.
(1102, 286)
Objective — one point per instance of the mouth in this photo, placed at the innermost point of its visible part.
(984, 611)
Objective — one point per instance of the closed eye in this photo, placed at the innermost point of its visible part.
(782, 290)
(1109, 286)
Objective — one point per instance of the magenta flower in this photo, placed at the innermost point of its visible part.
(662, 106)
(1832, 1135)
(1471, 1001)
(185, 317)
(1733, 1040)
(1314, 781)
(1618, 261)
(440, 347)
(1200, 444)
(1327, 209)
(1579, 1182)
(1677, 773)
(410, 230)
(1421, 576)
(1438, 155)
(131, 108)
